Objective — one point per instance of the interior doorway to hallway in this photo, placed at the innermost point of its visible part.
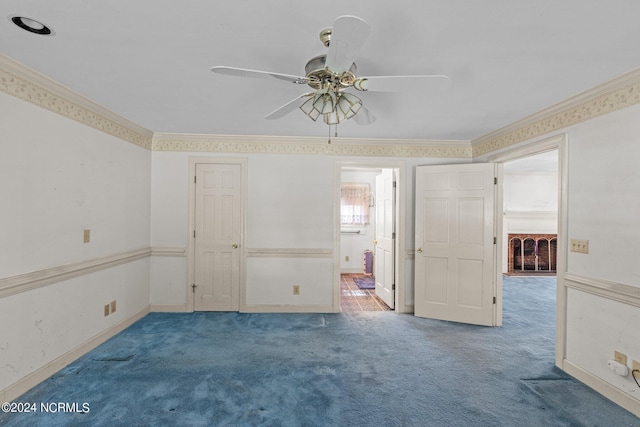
(367, 239)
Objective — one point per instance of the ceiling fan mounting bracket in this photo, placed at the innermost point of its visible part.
(325, 36)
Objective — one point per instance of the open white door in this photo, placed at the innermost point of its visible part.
(455, 243)
(384, 256)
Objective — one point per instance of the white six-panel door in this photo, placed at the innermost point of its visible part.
(218, 225)
(455, 250)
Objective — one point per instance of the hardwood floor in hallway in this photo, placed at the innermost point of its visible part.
(353, 298)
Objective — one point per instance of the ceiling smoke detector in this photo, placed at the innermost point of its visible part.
(31, 25)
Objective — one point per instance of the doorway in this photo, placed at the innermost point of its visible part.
(546, 156)
(367, 238)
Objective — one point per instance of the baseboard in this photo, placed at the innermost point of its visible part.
(612, 393)
(408, 309)
(351, 271)
(259, 308)
(20, 387)
(169, 308)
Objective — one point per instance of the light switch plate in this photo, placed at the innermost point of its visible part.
(580, 246)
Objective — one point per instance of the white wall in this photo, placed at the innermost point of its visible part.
(602, 299)
(58, 177)
(290, 205)
(604, 208)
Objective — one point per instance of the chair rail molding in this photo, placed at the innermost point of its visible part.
(36, 279)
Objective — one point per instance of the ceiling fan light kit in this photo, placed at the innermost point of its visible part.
(332, 74)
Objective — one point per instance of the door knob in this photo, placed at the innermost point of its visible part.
(419, 250)
(375, 242)
(235, 246)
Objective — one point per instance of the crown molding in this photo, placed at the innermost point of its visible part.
(611, 96)
(259, 144)
(24, 83)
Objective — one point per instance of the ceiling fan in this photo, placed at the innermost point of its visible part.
(331, 75)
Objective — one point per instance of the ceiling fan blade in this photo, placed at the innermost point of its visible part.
(432, 84)
(286, 108)
(243, 72)
(364, 117)
(348, 35)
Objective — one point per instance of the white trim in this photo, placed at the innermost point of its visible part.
(168, 308)
(18, 388)
(602, 288)
(533, 215)
(290, 252)
(604, 388)
(264, 308)
(20, 81)
(36, 279)
(170, 251)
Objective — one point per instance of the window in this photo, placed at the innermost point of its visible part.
(354, 204)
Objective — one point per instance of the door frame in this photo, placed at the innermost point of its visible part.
(191, 259)
(401, 254)
(559, 143)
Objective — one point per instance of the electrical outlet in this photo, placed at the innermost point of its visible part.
(620, 357)
(580, 246)
(296, 289)
(106, 310)
(113, 306)
(86, 238)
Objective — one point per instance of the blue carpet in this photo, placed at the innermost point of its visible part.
(361, 369)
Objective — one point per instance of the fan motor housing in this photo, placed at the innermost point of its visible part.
(319, 75)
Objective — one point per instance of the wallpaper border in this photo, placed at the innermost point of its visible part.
(28, 85)
(309, 145)
(611, 96)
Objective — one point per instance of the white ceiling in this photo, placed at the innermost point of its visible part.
(149, 60)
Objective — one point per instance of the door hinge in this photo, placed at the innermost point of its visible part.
(494, 300)
(393, 235)
(194, 234)
(195, 178)
(495, 180)
(495, 240)
(394, 184)
(194, 286)
(393, 287)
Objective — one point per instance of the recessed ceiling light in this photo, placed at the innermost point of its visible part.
(31, 25)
